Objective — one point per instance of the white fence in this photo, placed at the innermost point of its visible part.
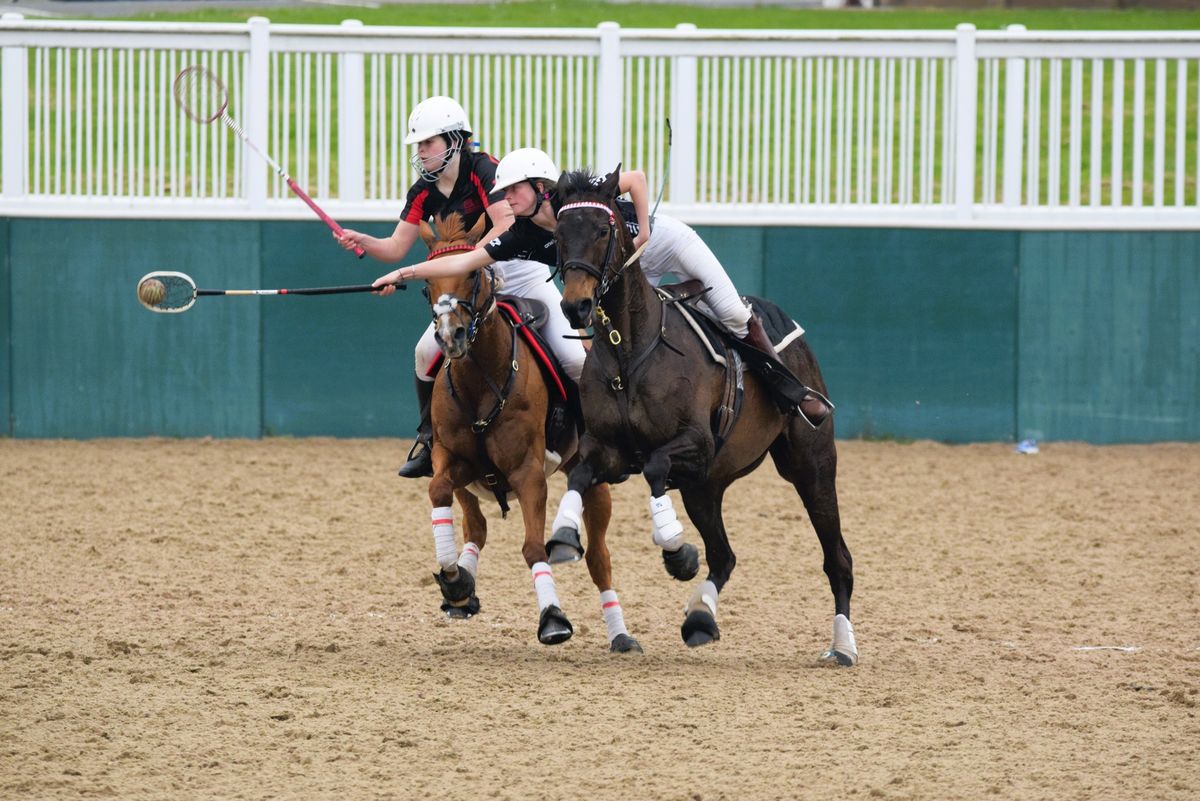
(960, 128)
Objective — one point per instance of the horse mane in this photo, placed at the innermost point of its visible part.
(578, 183)
(450, 230)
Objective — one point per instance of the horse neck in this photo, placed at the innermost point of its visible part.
(633, 307)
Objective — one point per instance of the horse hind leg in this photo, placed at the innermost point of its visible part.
(597, 510)
(808, 460)
(529, 483)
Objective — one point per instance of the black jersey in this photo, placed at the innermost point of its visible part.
(528, 240)
(470, 196)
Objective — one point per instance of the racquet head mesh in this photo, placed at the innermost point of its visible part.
(179, 296)
(200, 94)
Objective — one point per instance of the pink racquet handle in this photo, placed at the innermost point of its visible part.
(332, 223)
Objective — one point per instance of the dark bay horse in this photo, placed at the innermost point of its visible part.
(650, 393)
(489, 414)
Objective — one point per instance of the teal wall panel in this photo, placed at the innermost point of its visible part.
(1110, 336)
(952, 335)
(89, 361)
(742, 253)
(5, 334)
(914, 329)
(339, 364)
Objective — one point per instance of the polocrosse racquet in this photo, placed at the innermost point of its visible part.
(204, 98)
(170, 292)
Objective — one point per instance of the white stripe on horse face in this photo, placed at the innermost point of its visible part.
(447, 320)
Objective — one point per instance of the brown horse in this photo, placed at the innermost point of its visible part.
(651, 392)
(489, 412)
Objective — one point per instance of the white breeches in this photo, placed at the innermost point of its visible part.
(526, 279)
(677, 250)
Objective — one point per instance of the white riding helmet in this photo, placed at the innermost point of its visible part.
(437, 116)
(433, 116)
(524, 164)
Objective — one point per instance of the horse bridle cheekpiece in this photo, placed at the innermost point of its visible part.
(603, 273)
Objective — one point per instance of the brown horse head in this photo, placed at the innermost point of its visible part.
(592, 240)
(459, 303)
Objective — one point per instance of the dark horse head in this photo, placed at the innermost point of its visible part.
(593, 242)
(459, 303)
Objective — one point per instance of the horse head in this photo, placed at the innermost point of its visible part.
(459, 303)
(592, 240)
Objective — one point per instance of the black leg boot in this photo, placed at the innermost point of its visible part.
(812, 405)
(420, 458)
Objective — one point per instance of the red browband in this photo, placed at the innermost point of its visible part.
(450, 249)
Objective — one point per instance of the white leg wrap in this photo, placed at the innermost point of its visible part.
(705, 595)
(543, 585)
(443, 537)
(570, 512)
(468, 560)
(668, 531)
(843, 638)
(614, 619)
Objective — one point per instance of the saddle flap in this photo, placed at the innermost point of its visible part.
(532, 313)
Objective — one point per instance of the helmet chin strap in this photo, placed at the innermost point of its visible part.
(539, 198)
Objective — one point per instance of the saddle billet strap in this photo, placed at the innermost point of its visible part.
(730, 409)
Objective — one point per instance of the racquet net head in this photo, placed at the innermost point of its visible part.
(200, 94)
(166, 292)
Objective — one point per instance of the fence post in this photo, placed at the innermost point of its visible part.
(257, 99)
(609, 122)
(966, 79)
(351, 130)
(15, 124)
(683, 121)
(1014, 125)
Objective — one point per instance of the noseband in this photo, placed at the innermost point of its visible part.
(604, 274)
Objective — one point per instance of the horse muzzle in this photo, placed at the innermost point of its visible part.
(579, 312)
(453, 340)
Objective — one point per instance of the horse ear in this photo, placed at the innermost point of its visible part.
(477, 229)
(427, 234)
(612, 183)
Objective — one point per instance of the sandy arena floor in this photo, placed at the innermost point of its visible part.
(233, 619)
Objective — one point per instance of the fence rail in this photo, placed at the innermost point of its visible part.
(960, 128)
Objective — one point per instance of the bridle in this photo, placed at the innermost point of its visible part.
(451, 304)
(605, 275)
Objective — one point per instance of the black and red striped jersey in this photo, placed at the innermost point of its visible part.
(470, 196)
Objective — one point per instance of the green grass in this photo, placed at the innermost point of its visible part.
(583, 13)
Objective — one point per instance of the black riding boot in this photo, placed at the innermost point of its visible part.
(812, 405)
(420, 458)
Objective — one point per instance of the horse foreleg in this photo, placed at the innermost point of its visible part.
(597, 511)
(564, 544)
(458, 586)
(529, 484)
(703, 506)
(681, 559)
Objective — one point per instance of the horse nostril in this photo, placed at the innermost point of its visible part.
(460, 336)
(584, 310)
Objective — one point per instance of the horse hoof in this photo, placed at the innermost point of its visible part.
(838, 658)
(699, 628)
(458, 589)
(554, 628)
(683, 564)
(564, 546)
(624, 644)
(469, 609)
